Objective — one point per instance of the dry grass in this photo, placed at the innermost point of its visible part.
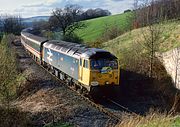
(13, 118)
(153, 119)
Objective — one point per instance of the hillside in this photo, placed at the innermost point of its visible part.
(37, 18)
(126, 43)
(29, 21)
(95, 27)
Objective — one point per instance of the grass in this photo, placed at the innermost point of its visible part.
(153, 119)
(60, 124)
(96, 27)
(176, 122)
(127, 42)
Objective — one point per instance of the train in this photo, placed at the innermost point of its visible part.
(80, 66)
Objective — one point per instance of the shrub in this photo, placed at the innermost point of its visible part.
(72, 38)
(111, 33)
(10, 78)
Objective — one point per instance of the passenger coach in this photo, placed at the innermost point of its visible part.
(33, 44)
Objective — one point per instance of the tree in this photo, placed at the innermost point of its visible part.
(151, 43)
(160, 9)
(67, 19)
(94, 13)
(151, 33)
(41, 25)
(12, 24)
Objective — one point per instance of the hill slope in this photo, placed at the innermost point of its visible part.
(95, 27)
(36, 18)
(124, 44)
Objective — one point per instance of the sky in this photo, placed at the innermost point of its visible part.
(30, 8)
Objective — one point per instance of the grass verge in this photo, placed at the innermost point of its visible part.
(153, 119)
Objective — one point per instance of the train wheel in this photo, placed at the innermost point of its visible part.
(95, 93)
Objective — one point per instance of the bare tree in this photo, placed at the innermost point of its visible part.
(160, 10)
(67, 19)
(41, 25)
(151, 43)
(12, 24)
(151, 33)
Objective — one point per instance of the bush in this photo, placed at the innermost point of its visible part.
(9, 80)
(9, 76)
(72, 38)
(111, 33)
(96, 44)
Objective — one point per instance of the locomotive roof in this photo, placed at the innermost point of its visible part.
(78, 50)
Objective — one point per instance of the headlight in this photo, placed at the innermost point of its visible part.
(94, 83)
(107, 83)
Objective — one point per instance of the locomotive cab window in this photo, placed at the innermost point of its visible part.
(86, 64)
(99, 64)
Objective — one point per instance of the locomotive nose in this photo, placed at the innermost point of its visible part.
(104, 79)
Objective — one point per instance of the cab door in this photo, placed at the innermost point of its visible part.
(81, 69)
(84, 72)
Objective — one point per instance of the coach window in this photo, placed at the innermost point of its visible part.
(85, 63)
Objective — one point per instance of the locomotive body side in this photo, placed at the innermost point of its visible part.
(61, 61)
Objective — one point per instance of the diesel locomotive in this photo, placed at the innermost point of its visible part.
(80, 66)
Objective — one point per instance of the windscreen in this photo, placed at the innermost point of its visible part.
(101, 63)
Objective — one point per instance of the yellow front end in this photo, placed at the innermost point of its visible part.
(91, 75)
(98, 78)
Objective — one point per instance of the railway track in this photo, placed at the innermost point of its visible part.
(113, 114)
(120, 106)
(98, 106)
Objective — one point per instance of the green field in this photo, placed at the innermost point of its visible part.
(95, 27)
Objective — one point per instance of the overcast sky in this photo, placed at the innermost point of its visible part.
(29, 8)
